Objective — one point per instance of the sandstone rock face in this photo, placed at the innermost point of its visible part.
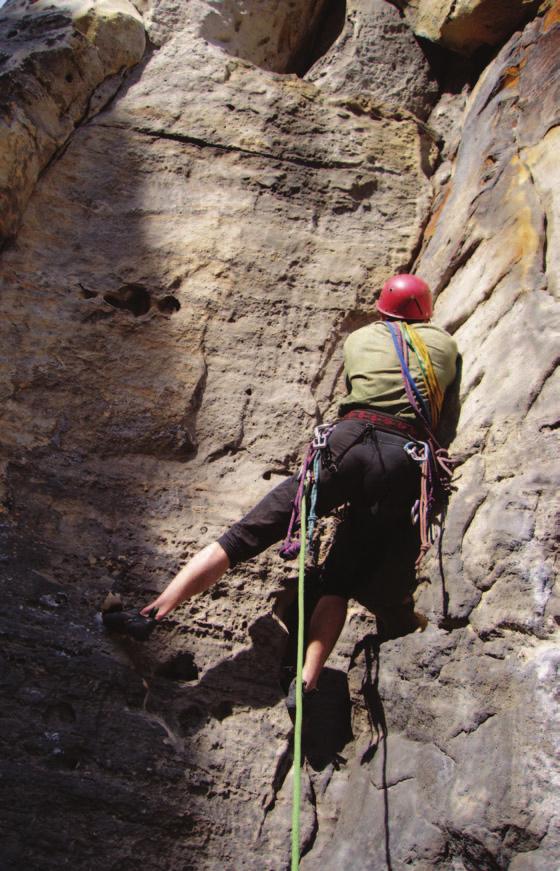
(466, 25)
(59, 65)
(174, 305)
(270, 35)
(282, 37)
(377, 55)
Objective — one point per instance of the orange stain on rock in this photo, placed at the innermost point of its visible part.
(525, 240)
(433, 222)
(552, 17)
(511, 75)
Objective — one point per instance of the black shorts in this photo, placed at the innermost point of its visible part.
(375, 541)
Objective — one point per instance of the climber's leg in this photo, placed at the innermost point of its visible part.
(327, 622)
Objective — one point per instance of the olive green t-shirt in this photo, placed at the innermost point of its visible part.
(374, 374)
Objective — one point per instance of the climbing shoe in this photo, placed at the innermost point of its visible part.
(131, 623)
(308, 696)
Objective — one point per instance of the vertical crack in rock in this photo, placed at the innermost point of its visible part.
(313, 830)
(283, 766)
(525, 164)
(538, 389)
(459, 259)
(325, 383)
(324, 32)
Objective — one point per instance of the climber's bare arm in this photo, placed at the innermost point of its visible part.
(197, 575)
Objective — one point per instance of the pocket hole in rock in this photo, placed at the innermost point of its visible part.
(131, 297)
(168, 305)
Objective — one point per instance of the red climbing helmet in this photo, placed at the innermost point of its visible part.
(406, 297)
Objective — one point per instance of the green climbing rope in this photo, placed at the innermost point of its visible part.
(296, 805)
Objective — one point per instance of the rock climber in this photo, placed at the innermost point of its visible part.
(397, 371)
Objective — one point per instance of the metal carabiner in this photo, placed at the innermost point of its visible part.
(414, 452)
(320, 436)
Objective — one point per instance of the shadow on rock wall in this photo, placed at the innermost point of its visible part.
(96, 405)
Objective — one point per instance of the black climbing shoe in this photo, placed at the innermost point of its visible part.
(131, 623)
(308, 696)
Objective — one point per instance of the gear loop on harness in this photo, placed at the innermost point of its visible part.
(312, 518)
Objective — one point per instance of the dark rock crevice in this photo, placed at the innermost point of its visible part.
(317, 41)
(291, 39)
(219, 146)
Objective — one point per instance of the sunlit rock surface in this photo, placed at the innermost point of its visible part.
(377, 56)
(60, 64)
(174, 305)
(466, 25)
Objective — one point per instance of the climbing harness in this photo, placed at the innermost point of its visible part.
(296, 800)
(319, 455)
(434, 461)
(436, 466)
(386, 422)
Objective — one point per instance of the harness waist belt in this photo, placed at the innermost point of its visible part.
(387, 422)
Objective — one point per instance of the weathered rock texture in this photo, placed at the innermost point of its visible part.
(60, 64)
(174, 304)
(377, 56)
(466, 25)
